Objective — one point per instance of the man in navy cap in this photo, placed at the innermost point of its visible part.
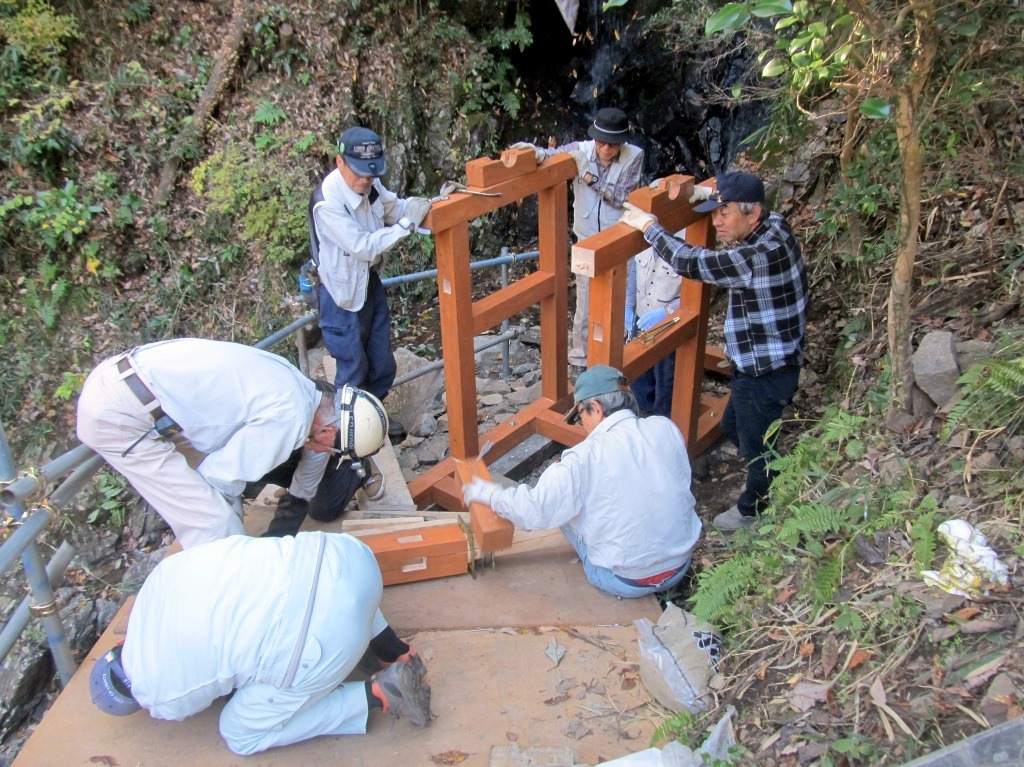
(356, 220)
(761, 266)
(609, 168)
(621, 496)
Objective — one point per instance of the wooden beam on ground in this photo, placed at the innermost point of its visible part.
(400, 525)
(417, 555)
(552, 425)
(490, 532)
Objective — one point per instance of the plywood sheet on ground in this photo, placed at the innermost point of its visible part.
(490, 687)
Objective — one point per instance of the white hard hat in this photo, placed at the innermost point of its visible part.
(362, 422)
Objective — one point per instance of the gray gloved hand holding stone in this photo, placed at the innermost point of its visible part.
(637, 218)
(416, 209)
(538, 153)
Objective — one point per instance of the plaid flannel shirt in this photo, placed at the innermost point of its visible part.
(767, 284)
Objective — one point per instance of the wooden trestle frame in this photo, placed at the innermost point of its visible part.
(602, 257)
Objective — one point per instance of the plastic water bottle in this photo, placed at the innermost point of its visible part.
(306, 278)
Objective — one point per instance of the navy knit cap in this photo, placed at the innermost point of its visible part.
(738, 186)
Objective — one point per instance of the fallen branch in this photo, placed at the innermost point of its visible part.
(192, 134)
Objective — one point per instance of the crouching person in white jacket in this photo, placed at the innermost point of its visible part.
(281, 622)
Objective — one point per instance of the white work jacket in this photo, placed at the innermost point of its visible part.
(236, 611)
(354, 233)
(625, 490)
(247, 409)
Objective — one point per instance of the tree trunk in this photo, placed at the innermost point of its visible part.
(908, 135)
(191, 135)
(845, 158)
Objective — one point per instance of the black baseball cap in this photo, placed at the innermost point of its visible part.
(363, 152)
(738, 186)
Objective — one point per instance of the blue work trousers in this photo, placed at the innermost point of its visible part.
(653, 389)
(754, 404)
(608, 582)
(360, 342)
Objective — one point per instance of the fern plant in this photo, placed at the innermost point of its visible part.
(993, 395)
(720, 589)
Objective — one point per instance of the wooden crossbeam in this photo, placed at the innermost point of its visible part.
(485, 172)
(460, 208)
(511, 300)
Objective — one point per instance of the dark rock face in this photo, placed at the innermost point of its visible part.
(681, 113)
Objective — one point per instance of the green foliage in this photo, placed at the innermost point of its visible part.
(71, 386)
(112, 506)
(257, 198)
(720, 588)
(992, 394)
(493, 84)
(682, 727)
(136, 12)
(922, 532)
(268, 113)
(43, 140)
(266, 49)
(35, 38)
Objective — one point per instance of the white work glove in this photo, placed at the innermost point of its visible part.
(416, 209)
(479, 491)
(582, 163)
(637, 218)
(700, 193)
(538, 153)
(630, 322)
(652, 318)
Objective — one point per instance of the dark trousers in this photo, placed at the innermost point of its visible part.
(754, 404)
(653, 389)
(360, 342)
(336, 489)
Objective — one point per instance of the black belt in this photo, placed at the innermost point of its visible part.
(139, 389)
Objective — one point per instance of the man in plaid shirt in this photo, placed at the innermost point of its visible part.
(762, 268)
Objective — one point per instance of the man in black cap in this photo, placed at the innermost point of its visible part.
(355, 222)
(761, 266)
(609, 169)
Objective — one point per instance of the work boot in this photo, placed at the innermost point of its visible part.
(373, 482)
(732, 520)
(403, 694)
(288, 517)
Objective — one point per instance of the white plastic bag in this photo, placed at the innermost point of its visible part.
(972, 567)
(678, 657)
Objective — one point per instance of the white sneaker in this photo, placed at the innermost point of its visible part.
(373, 483)
(730, 521)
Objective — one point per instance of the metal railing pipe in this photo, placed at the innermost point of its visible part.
(28, 487)
(24, 535)
(67, 490)
(20, 617)
(286, 331)
(482, 263)
(44, 607)
(430, 367)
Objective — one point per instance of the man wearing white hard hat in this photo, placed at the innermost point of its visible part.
(190, 421)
